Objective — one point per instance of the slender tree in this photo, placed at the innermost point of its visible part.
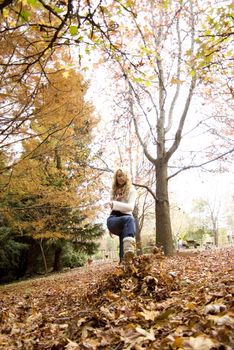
(156, 73)
(153, 69)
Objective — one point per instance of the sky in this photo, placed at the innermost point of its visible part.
(195, 184)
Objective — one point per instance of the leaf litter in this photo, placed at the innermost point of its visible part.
(155, 302)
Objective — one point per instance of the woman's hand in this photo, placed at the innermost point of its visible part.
(108, 205)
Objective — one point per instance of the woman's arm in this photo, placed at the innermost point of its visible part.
(126, 207)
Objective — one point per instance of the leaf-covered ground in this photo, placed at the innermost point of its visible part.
(180, 302)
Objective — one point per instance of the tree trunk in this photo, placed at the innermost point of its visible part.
(216, 234)
(43, 256)
(58, 159)
(57, 259)
(214, 219)
(216, 238)
(138, 231)
(163, 221)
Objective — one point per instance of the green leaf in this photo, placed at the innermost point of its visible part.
(5, 12)
(207, 32)
(229, 54)
(24, 15)
(32, 2)
(208, 58)
(188, 52)
(138, 80)
(73, 30)
(146, 50)
(192, 73)
(58, 10)
(87, 50)
(147, 83)
(129, 3)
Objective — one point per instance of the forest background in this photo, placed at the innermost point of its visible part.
(90, 86)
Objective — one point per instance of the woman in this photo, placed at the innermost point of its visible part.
(121, 222)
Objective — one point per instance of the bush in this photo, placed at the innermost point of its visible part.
(10, 249)
(98, 256)
(72, 258)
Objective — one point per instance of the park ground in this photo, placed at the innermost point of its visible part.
(161, 303)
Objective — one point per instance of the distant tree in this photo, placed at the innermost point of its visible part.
(206, 214)
(198, 234)
(230, 224)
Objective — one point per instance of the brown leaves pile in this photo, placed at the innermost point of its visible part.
(179, 302)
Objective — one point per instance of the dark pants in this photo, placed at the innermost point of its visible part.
(122, 226)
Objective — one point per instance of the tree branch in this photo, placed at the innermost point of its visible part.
(143, 144)
(200, 165)
(5, 3)
(148, 189)
(178, 134)
(178, 85)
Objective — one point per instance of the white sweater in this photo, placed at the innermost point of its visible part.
(126, 206)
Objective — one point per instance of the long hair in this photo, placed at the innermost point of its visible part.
(121, 192)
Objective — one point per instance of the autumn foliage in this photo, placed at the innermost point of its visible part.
(48, 194)
(157, 302)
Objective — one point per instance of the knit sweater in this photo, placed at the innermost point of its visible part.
(126, 206)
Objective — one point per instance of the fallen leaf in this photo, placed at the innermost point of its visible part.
(224, 320)
(148, 315)
(148, 335)
(199, 343)
(214, 308)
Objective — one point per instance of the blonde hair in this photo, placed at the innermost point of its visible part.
(125, 188)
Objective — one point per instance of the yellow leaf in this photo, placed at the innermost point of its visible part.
(72, 345)
(178, 342)
(176, 81)
(190, 306)
(148, 315)
(66, 74)
(201, 342)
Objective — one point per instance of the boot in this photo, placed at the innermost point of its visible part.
(129, 245)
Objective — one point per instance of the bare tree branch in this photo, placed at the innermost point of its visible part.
(148, 189)
(178, 85)
(202, 164)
